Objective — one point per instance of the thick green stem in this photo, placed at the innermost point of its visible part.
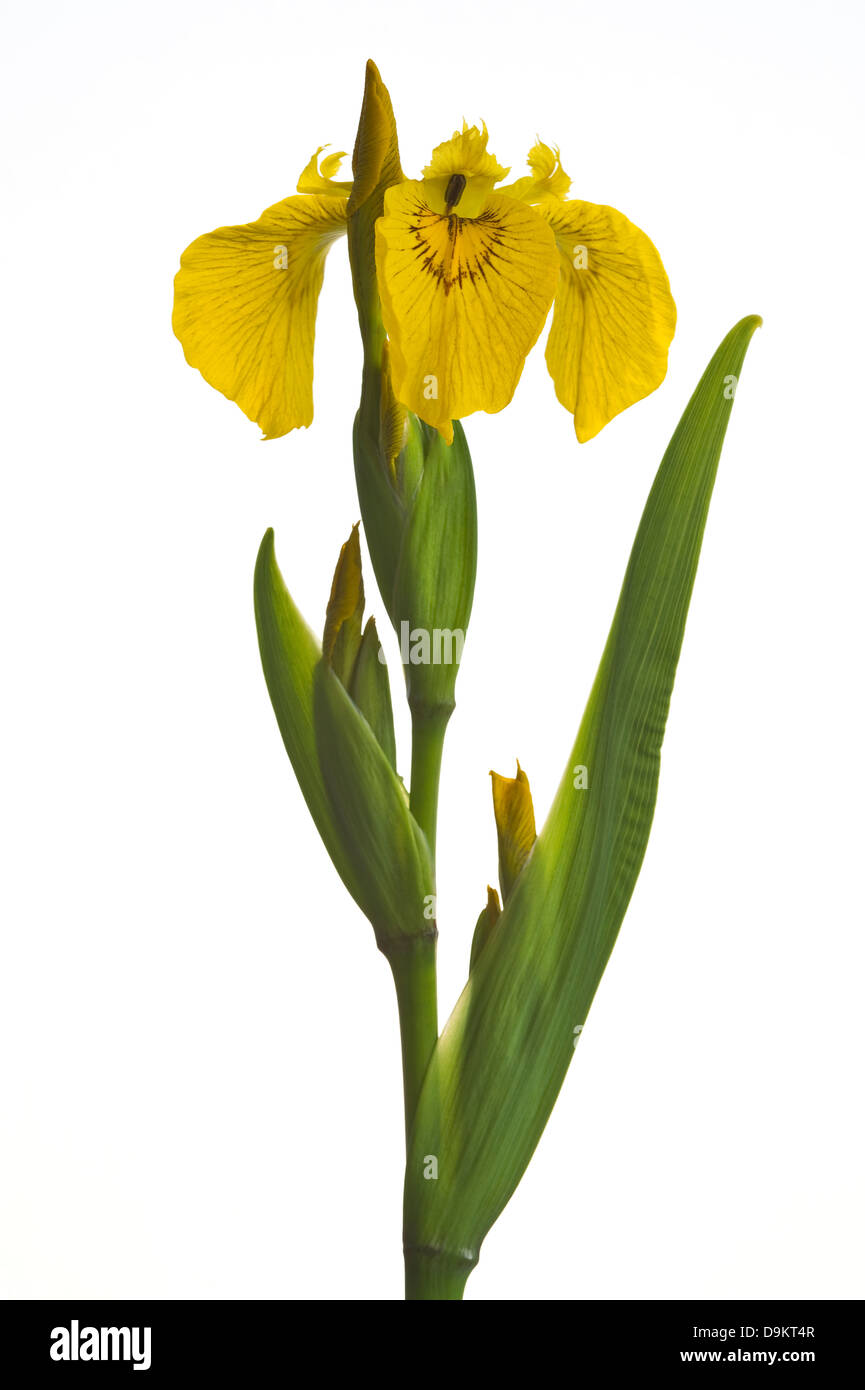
(413, 962)
(432, 1274)
(414, 972)
(428, 736)
(413, 959)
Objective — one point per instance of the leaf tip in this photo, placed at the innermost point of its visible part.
(266, 558)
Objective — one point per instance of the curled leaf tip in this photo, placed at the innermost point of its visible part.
(266, 553)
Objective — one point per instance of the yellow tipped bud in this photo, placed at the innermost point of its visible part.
(485, 925)
(342, 627)
(515, 823)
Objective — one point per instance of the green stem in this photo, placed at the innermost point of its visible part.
(413, 962)
(414, 971)
(428, 736)
(413, 959)
(433, 1274)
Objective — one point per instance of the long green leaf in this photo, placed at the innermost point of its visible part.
(504, 1053)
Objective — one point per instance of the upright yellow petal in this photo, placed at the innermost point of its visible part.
(319, 176)
(465, 153)
(463, 301)
(614, 316)
(548, 180)
(462, 172)
(245, 300)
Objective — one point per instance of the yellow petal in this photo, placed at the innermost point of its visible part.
(515, 823)
(548, 180)
(463, 301)
(614, 317)
(244, 308)
(461, 173)
(321, 177)
(465, 153)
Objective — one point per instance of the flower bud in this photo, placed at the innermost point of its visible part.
(435, 575)
(342, 628)
(485, 924)
(355, 656)
(515, 824)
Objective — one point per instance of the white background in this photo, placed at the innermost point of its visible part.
(200, 1065)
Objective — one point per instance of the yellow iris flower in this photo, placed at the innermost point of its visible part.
(467, 270)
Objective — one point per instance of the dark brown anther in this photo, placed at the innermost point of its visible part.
(454, 190)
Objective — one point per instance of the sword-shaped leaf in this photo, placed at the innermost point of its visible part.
(503, 1055)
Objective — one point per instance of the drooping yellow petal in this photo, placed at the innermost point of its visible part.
(548, 180)
(463, 301)
(614, 316)
(515, 823)
(245, 300)
(320, 177)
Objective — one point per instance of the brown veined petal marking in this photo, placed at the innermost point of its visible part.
(614, 317)
(463, 301)
(245, 300)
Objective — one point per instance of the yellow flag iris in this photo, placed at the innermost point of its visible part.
(467, 271)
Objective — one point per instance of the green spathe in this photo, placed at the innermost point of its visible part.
(369, 687)
(389, 855)
(356, 799)
(289, 656)
(435, 576)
